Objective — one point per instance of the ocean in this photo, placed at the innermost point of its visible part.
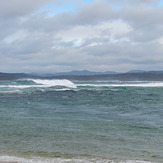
(60, 121)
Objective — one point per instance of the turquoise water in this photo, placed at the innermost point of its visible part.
(60, 121)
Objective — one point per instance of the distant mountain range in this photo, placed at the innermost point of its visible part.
(90, 73)
(76, 73)
(133, 75)
(13, 76)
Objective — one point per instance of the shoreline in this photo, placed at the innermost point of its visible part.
(10, 159)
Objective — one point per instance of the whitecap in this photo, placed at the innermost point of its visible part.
(56, 82)
(130, 84)
(43, 83)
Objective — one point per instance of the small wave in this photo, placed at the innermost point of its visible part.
(13, 159)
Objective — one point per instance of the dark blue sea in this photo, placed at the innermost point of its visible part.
(60, 121)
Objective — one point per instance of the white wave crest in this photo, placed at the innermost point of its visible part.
(152, 84)
(56, 82)
(12, 159)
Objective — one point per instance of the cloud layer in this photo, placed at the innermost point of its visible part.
(104, 35)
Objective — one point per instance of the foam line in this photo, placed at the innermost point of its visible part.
(12, 159)
(124, 85)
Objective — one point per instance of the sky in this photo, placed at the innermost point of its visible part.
(48, 36)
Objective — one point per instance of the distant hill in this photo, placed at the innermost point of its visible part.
(90, 73)
(84, 72)
(156, 72)
(75, 73)
(133, 75)
(146, 76)
(14, 76)
(136, 71)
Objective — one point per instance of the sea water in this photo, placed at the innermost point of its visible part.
(60, 121)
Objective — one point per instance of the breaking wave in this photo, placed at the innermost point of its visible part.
(27, 83)
(58, 82)
(44, 85)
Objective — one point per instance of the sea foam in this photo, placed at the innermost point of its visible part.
(40, 83)
(14, 159)
(58, 82)
(127, 84)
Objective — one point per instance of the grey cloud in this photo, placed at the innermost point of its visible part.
(15, 8)
(108, 56)
(147, 23)
(144, 21)
(95, 13)
(30, 44)
(148, 2)
(48, 24)
(8, 27)
(89, 15)
(125, 52)
(42, 49)
(134, 2)
(142, 16)
(13, 13)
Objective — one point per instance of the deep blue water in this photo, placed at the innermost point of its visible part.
(61, 121)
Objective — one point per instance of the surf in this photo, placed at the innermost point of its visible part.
(27, 83)
(56, 82)
(121, 84)
(11, 159)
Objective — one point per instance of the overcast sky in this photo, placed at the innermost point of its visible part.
(98, 35)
